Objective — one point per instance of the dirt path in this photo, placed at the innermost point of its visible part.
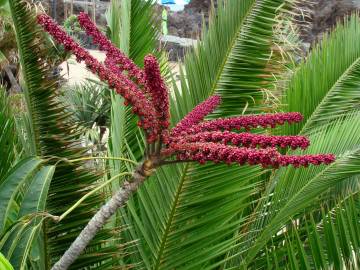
(76, 73)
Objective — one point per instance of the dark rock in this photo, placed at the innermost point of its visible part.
(177, 46)
(323, 15)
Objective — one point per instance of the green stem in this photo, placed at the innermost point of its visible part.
(90, 193)
(109, 158)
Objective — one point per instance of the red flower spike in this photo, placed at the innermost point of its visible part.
(122, 85)
(196, 115)
(268, 157)
(247, 139)
(157, 90)
(112, 52)
(306, 160)
(247, 122)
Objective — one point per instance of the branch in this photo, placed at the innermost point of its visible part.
(83, 198)
(12, 79)
(101, 217)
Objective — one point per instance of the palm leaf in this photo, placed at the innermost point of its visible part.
(32, 202)
(296, 188)
(52, 133)
(171, 213)
(21, 175)
(234, 59)
(7, 139)
(326, 87)
(4, 263)
(285, 195)
(326, 238)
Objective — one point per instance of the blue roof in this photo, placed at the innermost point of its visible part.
(168, 2)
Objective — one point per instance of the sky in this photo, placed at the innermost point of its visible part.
(178, 6)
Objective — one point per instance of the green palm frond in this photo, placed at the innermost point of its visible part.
(296, 189)
(88, 103)
(7, 139)
(324, 91)
(171, 213)
(4, 263)
(326, 85)
(23, 198)
(54, 135)
(235, 56)
(323, 239)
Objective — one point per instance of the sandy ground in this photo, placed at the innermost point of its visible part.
(76, 73)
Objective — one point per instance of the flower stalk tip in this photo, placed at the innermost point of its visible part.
(157, 89)
(196, 115)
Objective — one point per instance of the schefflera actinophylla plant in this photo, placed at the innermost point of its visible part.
(192, 139)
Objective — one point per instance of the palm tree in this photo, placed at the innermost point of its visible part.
(190, 216)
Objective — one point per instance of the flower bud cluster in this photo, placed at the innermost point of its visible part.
(157, 89)
(114, 56)
(247, 122)
(196, 115)
(248, 139)
(122, 85)
(213, 140)
(306, 160)
(268, 157)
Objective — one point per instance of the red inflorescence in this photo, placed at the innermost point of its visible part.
(191, 139)
(268, 157)
(247, 122)
(157, 90)
(306, 160)
(122, 85)
(248, 139)
(114, 56)
(196, 115)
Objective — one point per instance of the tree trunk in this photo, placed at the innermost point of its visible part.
(101, 217)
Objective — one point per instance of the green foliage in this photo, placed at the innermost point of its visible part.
(185, 217)
(12, 186)
(89, 105)
(23, 196)
(333, 92)
(71, 25)
(8, 141)
(297, 189)
(329, 238)
(52, 133)
(4, 263)
(234, 59)
(212, 216)
(290, 192)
